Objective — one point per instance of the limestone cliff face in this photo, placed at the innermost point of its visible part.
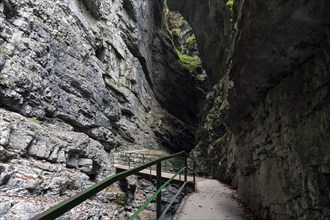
(267, 125)
(78, 79)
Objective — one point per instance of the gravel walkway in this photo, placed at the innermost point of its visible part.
(211, 201)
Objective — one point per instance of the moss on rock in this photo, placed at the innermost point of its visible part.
(175, 24)
(191, 41)
(189, 62)
(121, 199)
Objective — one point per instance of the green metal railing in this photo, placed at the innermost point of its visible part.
(208, 167)
(132, 159)
(72, 202)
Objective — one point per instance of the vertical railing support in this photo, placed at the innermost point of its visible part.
(129, 161)
(194, 173)
(159, 184)
(180, 167)
(185, 172)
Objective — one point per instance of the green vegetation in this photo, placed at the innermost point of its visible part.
(187, 62)
(166, 15)
(176, 23)
(121, 199)
(40, 175)
(191, 40)
(230, 3)
(199, 78)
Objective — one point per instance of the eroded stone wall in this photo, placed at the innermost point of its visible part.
(76, 84)
(267, 124)
(279, 99)
(283, 150)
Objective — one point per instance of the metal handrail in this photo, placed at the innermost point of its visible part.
(130, 159)
(154, 195)
(72, 202)
(122, 157)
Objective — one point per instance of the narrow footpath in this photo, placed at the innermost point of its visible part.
(212, 200)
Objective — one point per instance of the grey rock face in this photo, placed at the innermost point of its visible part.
(292, 38)
(178, 89)
(75, 84)
(28, 186)
(182, 34)
(282, 145)
(30, 137)
(218, 159)
(94, 6)
(274, 102)
(209, 20)
(286, 145)
(81, 70)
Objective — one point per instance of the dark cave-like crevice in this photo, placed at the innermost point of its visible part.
(182, 87)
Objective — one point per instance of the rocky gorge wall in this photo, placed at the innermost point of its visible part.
(266, 123)
(282, 144)
(78, 80)
(210, 21)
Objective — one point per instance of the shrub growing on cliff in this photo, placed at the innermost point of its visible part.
(191, 40)
(230, 3)
(188, 62)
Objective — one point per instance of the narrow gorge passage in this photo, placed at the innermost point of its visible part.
(243, 86)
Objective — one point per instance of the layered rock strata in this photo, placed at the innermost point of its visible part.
(78, 81)
(266, 126)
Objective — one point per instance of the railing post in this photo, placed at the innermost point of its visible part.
(68, 204)
(194, 173)
(129, 161)
(159, 184)
(185, 173)
(180, 167)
